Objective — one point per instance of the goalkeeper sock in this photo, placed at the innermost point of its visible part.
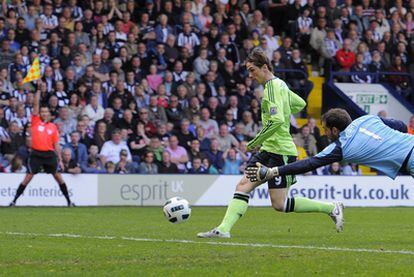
(306, 205)
(236, 209)
(19, 192)
(65, 192)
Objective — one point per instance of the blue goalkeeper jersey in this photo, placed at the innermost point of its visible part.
(369, 140)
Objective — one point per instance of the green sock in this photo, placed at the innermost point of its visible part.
(306, 205)
(236, 209)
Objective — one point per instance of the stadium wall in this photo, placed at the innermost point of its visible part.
(202, 190)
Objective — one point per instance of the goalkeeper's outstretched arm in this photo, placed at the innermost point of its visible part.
(331, 154)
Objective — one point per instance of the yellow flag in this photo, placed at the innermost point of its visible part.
(34, 72)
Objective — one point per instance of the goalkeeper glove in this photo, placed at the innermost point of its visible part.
(261, 173)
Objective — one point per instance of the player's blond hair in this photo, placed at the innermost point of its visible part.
(259, 58)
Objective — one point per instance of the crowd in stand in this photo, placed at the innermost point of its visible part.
(158, 86)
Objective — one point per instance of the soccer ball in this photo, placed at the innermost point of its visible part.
(177, 210)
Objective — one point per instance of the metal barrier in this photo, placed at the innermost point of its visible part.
(303, 73)
(376, 76)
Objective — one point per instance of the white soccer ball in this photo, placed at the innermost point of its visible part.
(177, 210)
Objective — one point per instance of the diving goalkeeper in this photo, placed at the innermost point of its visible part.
(276, 149)
(369, 140)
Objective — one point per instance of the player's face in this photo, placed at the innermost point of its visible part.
(255, 73)
(44, 114)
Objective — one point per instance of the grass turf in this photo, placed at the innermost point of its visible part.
(381, 228)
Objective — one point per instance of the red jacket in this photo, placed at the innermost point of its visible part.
(345, 58)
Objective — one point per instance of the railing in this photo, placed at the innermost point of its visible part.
(377, 77)
(303, 73)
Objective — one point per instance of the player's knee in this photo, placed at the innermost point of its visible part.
(245, 185)
(278, 206)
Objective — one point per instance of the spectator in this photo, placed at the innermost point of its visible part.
(194, 108)
(204, 141)
(401, 83)
(232, 163)
(141, 98)
(304, 25)
(345, 57)
(318, 34)
(214, 155)
(137, 142)
(93, 110)
(110, 167)
(124, 165)
(328, 50)
(127, 122)
(250, 126)
(299, 82)
(360, 71)
(351, 170)
(225, 139)
(156, 148)
(332, 169)
(149, 126)
(148, 166)
(11, 144)
(188, 38)
(16, 166)
(167, 167)
(163, 134)
(174, 112)
(111, 149)
(79, 153)
(24, 150)
(75, 108)
(210, 169)
(377, 66)
(69, 165)
(410, 125)
(184, 135)
(201, 63)
(197, 167)
(156, 113)
(100, 135)
(178, 153)
(238, 132)
(92, 166)
(306, 140)
(210, 126)
(154, 79)
(69, 124)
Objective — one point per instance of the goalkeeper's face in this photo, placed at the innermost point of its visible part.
(331, 133)
(256, 73)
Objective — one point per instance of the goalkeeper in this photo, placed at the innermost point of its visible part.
(369, 140)
(276, 149)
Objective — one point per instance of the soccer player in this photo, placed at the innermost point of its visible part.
(46, 151)
(276, 148)
(369, 140)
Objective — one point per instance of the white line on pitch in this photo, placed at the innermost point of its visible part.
(221, 243)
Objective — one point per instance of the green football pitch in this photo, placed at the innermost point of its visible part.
(138, 241)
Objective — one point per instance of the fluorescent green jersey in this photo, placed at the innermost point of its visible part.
(278, 103)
